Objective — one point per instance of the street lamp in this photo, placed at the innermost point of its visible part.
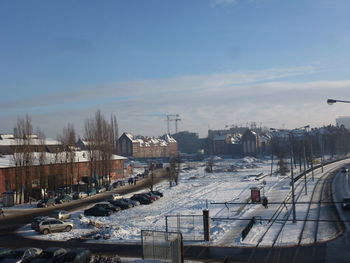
(292, 177)
(332, 101)
(290, 135)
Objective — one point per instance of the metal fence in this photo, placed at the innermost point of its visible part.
(165, 246)
(190, 226)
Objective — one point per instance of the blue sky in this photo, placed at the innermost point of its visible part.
(214, 62)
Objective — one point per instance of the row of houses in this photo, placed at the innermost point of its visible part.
(254, 141)
(46, 164)
(32, 164)
(145, 147)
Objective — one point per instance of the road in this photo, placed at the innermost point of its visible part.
(13, 220)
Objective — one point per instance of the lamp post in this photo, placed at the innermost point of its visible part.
(332, 101)
(290, 134)
(305, 128)
(292, 178)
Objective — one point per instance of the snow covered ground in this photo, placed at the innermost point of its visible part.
(230, 181)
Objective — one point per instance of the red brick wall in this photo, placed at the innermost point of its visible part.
(57, 170)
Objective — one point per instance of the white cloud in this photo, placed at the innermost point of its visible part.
(202, 101)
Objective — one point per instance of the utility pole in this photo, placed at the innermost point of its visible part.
(312, 160)
(305, 170)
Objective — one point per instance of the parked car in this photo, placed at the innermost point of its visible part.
(51, 194)
(61, 214)
(152, 197)
(108, 206)
(51, 255)
(115, 197)
(156, 193)
(120, 203)
(64, 190)
(143, 200)
(346, 203)
(132, 202)
(118, 183)
(4, 252)
(54, 225)
(108, 187)
(63, 199)
(46, 202)
(91, 192)
(78, 255)
(22, 255)
(36, 221)
(79, 195)
(100, 189)
(97, 211)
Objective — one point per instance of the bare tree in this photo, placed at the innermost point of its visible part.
(173, 171)
(68, 139)
(100, 136)
(42, 171)
(23, 158)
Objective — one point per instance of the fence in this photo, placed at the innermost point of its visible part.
(165, 246)
(191, 226)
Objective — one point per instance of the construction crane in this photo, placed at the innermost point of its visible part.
(176, 120)
(168, 120)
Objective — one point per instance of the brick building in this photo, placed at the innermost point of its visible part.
(50, 166)
(55, 172)
(145, 147)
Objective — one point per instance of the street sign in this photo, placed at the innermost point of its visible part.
(255, 195)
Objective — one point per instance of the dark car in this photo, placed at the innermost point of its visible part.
(4, 252)
(150, 196)
(108, 187)
(132, 202)
(78, 255)
(51, 255)
(120, 203)
(36, 221)
(108, 206)
(97, 211)
(143, 200)
(22, 255)
(91, 192)
(46, 202)
(346, 203)
(118, 183)
(63, 199)
(79, 195)
(344, 170)
(156, 193)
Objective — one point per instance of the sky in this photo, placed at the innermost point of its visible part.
(216, 63)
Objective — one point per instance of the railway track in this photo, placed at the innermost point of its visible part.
(315, 203)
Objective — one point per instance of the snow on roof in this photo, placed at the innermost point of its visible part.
(7, 161)
(168, 138)
(6, 136)
(148, 141)
(13, 142)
